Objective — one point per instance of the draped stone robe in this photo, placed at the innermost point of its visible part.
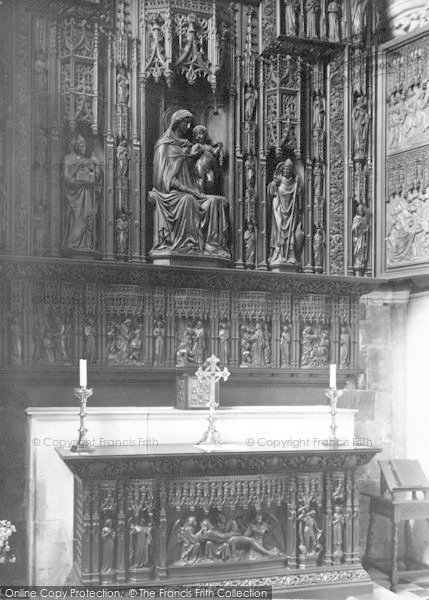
(184, 223)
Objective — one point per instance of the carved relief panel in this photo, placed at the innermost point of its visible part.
(406, 215)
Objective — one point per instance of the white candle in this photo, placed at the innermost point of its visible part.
(82, 373)
(332, 376)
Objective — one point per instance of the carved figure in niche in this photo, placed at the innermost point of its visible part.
(135, 345)
(360, 228)
(123, 85)
(107, 547)
(311, 7)
(82, 187)
(307, 341)
(285, 340)
(39, 228)
(337, 529)
(159, 346)
(89, 333)
(199, 347)
(223, 343)
(319, 111)
(140, 539)
(60, 337)
(267, 347)
(124, 342)
(259, 341)
(122, 158)
(250, 170)
(318, 248)
(359, 17)
(41, 147)
(246, 346)
(122, 225)
(334, 21)
(309, 533)
(250, 96)
(186, 219)
(41, 72)
(360, 126)
(286, 237)
(344, 347)
(42, 336)
(15, 342)
(249, 239)
(190, 541)
(320, 351)
(209, 158)
(290, 17)
(185, 348)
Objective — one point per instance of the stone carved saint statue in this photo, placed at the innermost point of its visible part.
(344, 347)
(360, 126)
(159, 344)
(285, 340)
(187, 220)
(122, 226)
(108, 547)
(337, 529)
(123, 85)
(286, 238)
(360, 228)
(82, 188)
(224, 343)
(334, 21)
(310, 11)
(290, 17)
(140, 539)
(309, 533)
(249, 239)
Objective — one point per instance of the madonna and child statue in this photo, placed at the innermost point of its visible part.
(191, 218)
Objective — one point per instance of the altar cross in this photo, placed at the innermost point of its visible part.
(212, 373)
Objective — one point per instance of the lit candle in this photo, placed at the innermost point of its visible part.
(82, 373)
(333, 376)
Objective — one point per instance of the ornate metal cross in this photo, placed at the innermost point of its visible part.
(213, 374)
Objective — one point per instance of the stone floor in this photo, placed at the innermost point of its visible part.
(414, 589)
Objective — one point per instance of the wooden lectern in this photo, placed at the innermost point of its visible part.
(404, 495)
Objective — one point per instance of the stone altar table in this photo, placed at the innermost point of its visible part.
(181, 514)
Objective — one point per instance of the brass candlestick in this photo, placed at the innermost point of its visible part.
(333, 394)
(82, 445)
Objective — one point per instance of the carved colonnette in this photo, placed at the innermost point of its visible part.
(292, 515)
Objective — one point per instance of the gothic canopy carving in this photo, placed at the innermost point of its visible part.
(184, 39)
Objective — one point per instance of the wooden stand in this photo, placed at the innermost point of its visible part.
(404, 495)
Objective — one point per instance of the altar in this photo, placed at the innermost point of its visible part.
(230, 515)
